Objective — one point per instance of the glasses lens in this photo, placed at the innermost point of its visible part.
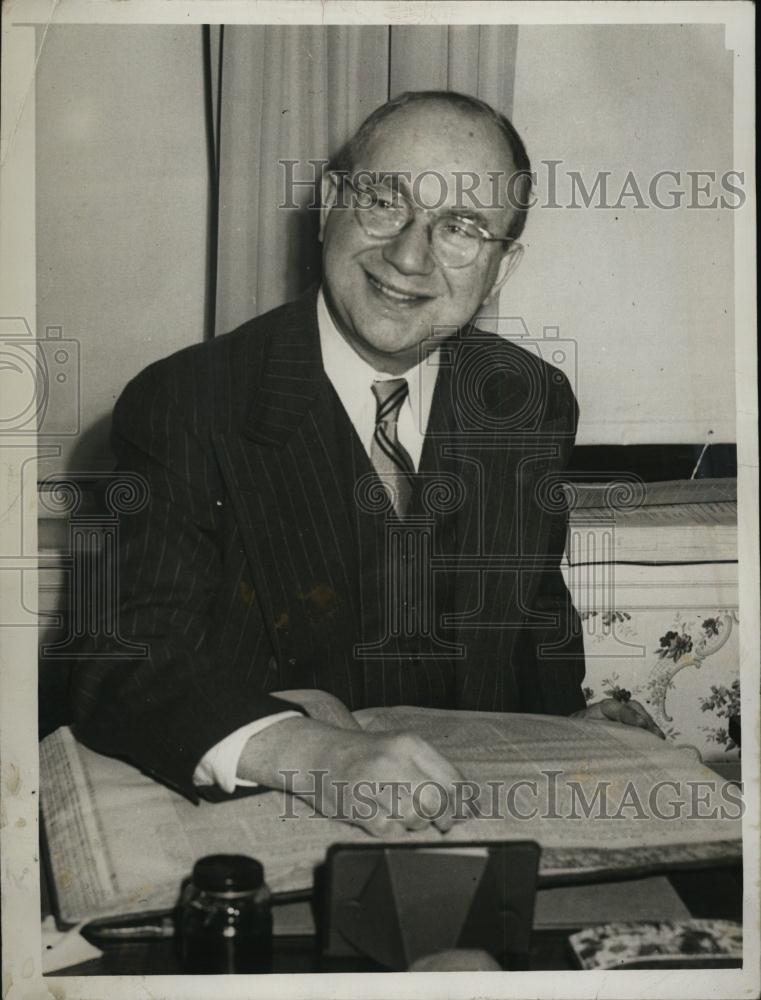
(455, 243)
(381, 211)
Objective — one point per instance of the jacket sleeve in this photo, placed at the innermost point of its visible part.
(178, 692)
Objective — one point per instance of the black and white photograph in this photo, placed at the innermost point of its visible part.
(379, 605)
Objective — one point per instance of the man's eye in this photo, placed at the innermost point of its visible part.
(457, 229)
(380, 201)
(385, 199)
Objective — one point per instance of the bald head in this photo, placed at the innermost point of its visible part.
(456, 117)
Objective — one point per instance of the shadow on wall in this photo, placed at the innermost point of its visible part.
(92, 450)
(305, 249)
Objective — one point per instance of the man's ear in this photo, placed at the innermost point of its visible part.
(328, 196)
(507, 264)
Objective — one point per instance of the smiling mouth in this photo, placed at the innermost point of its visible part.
(395, 295)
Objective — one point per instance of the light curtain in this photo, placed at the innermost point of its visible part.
(473, 59)
(297, 93)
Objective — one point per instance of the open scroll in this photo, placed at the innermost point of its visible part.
(599, 798)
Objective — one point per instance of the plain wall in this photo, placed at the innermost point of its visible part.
(646, 294)
(121, 210)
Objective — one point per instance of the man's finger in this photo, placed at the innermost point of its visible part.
(652, 725)
(435, 765)
(611, 708)
(417, 802)
(630, 717)
(447, 777)
(407, 811)
(630, 713)
(436, 801)
(383, 828)
(427, 802)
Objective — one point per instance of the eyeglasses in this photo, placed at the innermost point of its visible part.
(383, 213)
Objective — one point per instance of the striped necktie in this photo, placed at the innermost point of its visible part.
(390, 460)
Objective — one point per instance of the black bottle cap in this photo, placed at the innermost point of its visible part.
(228, 873)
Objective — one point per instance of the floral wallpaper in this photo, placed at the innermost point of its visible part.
(683, 667)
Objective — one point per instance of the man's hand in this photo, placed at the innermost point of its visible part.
(630, 713)
(386, 783)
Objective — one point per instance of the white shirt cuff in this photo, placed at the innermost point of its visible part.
(219, 765)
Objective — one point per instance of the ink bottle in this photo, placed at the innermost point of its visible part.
(225, 917)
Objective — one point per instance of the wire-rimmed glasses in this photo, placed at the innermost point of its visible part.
(456, 241)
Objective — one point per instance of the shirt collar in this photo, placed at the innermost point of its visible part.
(352, 376)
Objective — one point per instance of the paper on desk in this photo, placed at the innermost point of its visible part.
(61, 949)
(120, 843)
(610, 902)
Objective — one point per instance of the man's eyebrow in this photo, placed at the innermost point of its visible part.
(399, 180)
(469, 214)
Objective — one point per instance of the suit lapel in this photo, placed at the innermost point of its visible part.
(282, 470)
(447, 452)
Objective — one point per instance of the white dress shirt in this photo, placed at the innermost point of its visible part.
(352, 378)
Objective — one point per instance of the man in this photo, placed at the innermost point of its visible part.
(267, 561)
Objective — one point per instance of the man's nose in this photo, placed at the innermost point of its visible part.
(410, 251)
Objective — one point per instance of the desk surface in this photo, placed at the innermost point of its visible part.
(710, 893)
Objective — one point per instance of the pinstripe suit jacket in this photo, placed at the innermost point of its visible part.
(241, 574)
